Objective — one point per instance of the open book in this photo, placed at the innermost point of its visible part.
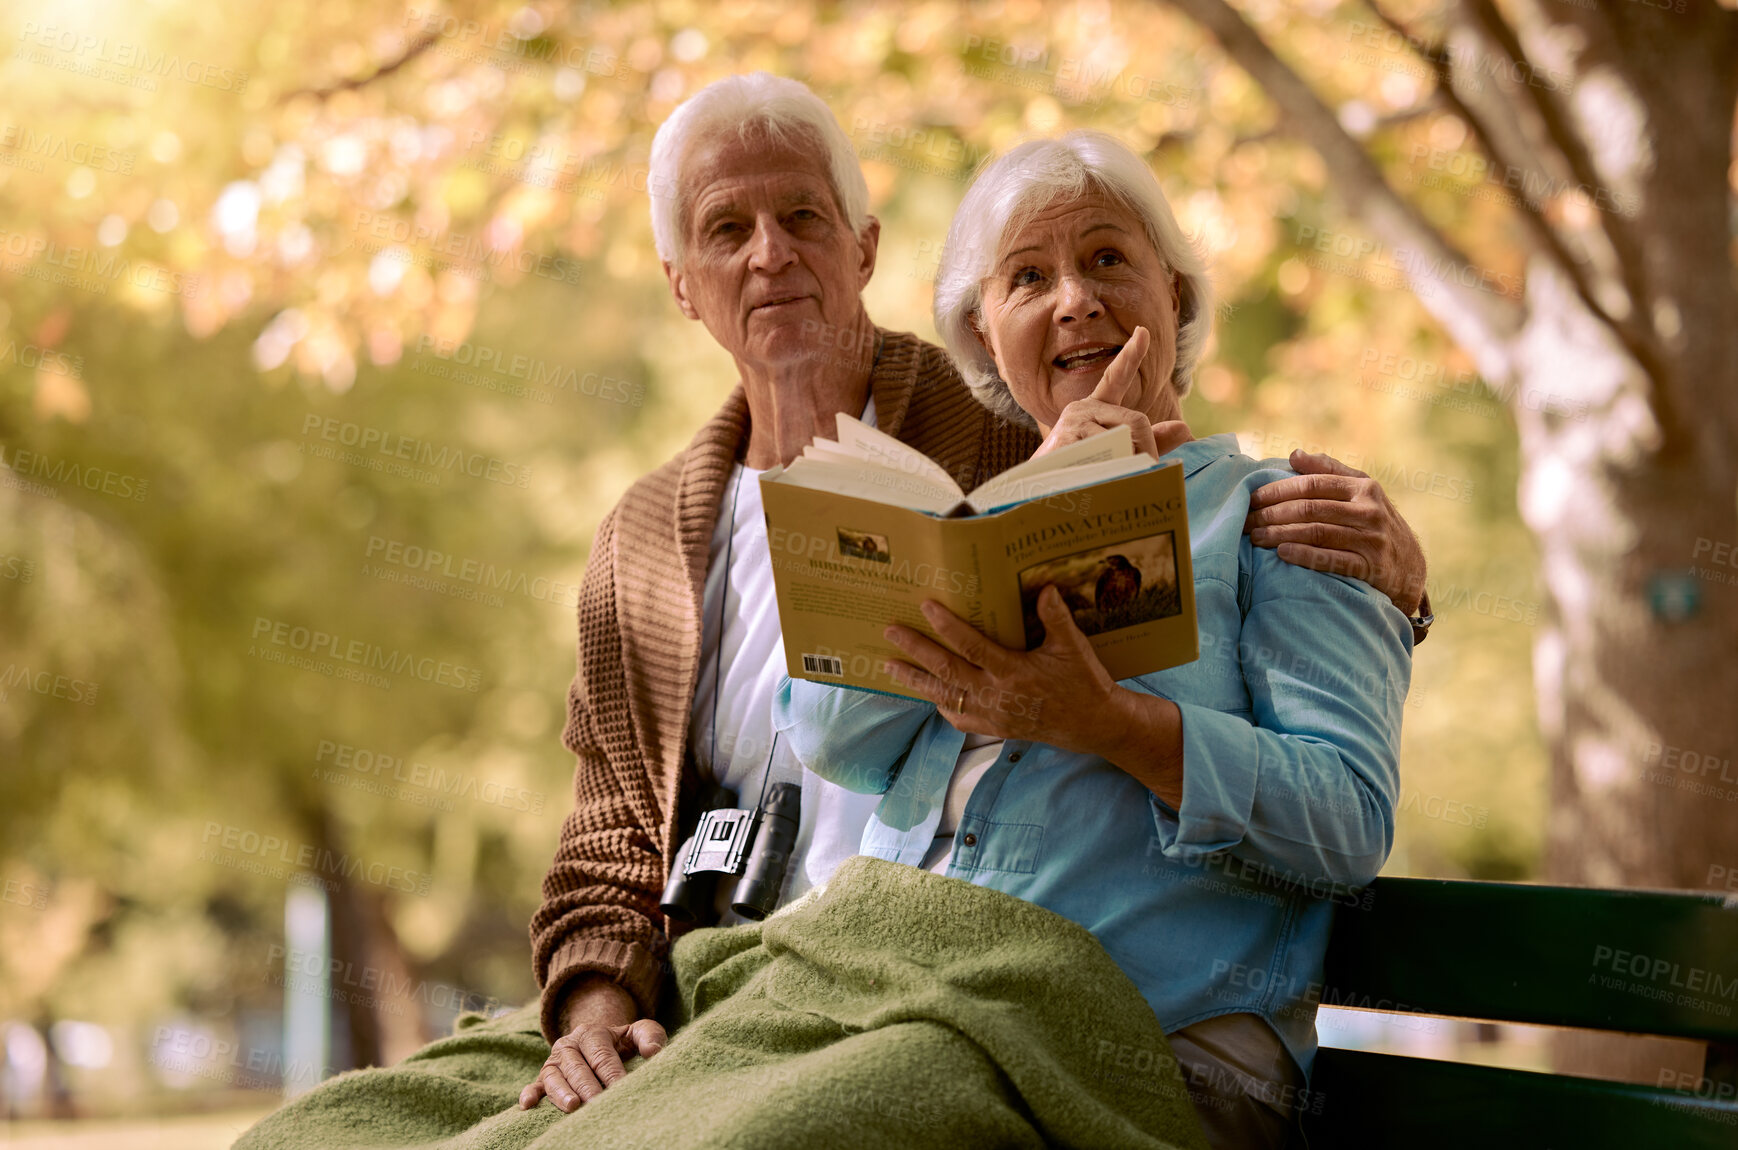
(873, 465)
(865, 529)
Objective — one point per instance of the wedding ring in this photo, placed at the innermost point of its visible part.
(960, 702)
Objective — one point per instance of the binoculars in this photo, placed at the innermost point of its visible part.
(752, 847)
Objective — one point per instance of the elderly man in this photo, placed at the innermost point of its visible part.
(760, 215)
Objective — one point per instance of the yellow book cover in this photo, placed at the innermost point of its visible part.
(862, 531)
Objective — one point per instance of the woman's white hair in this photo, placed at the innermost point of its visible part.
(1005, 196)
(760, 105)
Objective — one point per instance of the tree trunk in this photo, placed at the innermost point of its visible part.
(1616, 685)
(1621, 367)
(351, 954)
(1638, 685)
(1635, 667)
(374, 988)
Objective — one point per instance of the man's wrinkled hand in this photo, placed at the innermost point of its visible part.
(588, 1060)
(1334, 518)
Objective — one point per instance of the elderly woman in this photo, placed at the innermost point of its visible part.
(1201, 821)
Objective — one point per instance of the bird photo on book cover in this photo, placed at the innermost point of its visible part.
(1107, 588)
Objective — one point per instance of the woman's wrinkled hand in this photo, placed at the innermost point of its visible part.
(1056, 693)
(1103, 409)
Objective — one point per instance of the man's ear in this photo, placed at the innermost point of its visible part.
(679, 289)
(869, 245)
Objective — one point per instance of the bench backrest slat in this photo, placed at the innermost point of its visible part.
(1650, 962)
(1382, 1100)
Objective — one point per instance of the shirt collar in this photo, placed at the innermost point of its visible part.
(1198, 453)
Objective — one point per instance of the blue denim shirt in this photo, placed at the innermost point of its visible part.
(1291, 743)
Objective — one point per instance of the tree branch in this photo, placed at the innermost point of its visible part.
(1554, 119)
(416, 48)
(1396, 119)
(1479, 321)
(1172, 138)
(1547, 239)
(1634, 331)
(1442, 64)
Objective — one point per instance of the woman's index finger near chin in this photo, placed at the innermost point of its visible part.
(1113, 386)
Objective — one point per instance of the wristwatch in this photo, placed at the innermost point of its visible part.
(1421, 622)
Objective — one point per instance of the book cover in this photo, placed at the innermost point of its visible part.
(846, 566)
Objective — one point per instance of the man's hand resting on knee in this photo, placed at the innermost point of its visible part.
(601, 1027)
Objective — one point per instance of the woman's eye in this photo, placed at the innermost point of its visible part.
(1026, 277)
(1108, 258)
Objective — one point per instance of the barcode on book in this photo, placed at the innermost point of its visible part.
(823, 665)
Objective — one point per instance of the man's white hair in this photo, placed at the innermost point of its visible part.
(1004, 198)
(779, 110)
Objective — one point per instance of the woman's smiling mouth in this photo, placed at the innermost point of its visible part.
(1086, 358)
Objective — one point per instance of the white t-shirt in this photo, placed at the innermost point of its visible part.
(978, 755)
(734, 751)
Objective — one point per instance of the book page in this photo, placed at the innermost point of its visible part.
(827, 449)
(863, 480)
(1112, 443)
(993, 496)
(875, 446)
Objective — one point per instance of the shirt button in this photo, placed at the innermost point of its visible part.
(971, 840)
(1015, 757)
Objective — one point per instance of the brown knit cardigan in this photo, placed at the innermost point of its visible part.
(638, 651)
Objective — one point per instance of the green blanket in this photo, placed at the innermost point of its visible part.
(896, 1008)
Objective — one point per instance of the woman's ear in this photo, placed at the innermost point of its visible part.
(1177, 300)
(976, 320)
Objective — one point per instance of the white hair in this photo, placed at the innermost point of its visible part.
(782, 111)
(1005, 196)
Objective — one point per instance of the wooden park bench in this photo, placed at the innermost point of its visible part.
(1641, 962)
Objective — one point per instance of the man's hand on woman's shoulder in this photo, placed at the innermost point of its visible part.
(602, 1025)
(1334, 518)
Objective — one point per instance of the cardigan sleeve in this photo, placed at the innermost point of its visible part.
(600, 896)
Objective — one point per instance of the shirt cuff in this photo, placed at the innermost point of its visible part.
(1221, 768)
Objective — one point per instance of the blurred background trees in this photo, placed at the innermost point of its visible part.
(345, 319)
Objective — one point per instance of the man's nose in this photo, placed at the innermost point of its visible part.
(772, 250)
(1077, 299)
